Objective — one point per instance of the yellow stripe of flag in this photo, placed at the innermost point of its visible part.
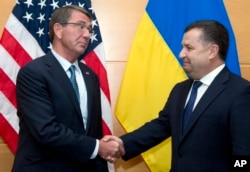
(151, 72)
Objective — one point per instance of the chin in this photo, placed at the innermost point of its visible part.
(186, 69)
(81, 51)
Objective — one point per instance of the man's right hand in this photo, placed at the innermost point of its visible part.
(111, 148)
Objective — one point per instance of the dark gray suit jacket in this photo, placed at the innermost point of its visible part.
(218, 129)
(52, 136)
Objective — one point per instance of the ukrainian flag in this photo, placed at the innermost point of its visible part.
(153, 66)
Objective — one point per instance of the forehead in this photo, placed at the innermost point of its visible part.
(192, 36)
(79, 16)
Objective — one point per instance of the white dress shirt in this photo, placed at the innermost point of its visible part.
(82, 91)
(206, 81)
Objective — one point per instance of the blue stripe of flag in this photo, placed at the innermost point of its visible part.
(171, 18)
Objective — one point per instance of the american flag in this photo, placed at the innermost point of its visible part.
(25, 37)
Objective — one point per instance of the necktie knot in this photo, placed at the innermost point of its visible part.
(196, 85)
(73, 80)
(72, 70)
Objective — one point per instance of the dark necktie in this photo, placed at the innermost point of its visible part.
(73, 80)
(190, 104)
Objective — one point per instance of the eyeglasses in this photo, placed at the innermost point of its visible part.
(81, 27)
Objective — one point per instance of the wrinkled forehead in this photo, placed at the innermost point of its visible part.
(192, 36)
(80, 16)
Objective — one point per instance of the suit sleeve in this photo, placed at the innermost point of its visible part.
(147, 136)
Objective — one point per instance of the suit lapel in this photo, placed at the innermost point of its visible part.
(216, 87)
(60, 76)
(88, 83)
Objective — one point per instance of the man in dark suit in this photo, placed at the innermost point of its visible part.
(60, 127)
(218, 127)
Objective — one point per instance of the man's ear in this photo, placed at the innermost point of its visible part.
(58, 30)
(214, 50)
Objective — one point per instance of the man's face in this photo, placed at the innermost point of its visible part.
(76, 34)
(195, 54)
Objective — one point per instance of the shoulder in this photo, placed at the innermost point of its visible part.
(238, 81)
(36, 66)
(38, 61)
(183, 84)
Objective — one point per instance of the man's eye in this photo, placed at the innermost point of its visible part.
(81, 26)
(90, 29)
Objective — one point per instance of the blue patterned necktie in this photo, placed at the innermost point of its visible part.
(73, 80)
(190, 104)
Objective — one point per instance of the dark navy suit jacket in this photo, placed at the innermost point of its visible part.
(218, 129)
(52, 136)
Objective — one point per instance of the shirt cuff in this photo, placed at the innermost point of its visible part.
(94, 154)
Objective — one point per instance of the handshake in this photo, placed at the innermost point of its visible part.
(111, 148)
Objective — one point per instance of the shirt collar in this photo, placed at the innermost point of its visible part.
(63, 62)
(208, 79)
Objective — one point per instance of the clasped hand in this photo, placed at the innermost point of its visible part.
(111, 148)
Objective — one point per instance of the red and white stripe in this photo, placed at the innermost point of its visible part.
(17, 47)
